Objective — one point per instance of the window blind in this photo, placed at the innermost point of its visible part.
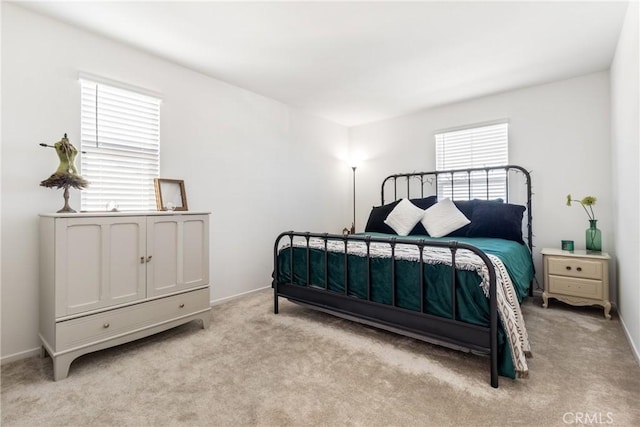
(120, 137)
(473, 147)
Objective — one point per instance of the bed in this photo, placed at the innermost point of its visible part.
(462, 290)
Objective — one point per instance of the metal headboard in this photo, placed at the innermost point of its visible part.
(431, 179)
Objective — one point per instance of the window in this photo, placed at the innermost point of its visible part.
(473, 147)
(120, 137)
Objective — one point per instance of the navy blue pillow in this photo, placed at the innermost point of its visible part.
(425, 203)
(479, 202)
(467, 207)
(499, 220)
(378, 214)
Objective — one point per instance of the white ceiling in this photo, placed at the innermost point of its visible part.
(357, 62)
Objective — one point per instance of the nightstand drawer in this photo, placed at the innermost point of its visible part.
(574, 267)
(572, 286)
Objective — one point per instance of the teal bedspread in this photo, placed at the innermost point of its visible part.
(515, 256)
(472, 305)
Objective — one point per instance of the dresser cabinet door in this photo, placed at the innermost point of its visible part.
(178, 253)
(195, 251)
(99, 263)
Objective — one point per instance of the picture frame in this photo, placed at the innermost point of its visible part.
(170, 194)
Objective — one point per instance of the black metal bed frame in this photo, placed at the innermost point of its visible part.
(449, 332)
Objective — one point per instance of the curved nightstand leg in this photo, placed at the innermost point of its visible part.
(607, 309)
(545, 300)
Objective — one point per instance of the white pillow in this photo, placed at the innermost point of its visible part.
(404, 217)
(443, 218)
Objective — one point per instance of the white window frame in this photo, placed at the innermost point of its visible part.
(120, 143)
(473, 146)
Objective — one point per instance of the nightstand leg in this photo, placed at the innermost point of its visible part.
(545, 300)
(607, 309)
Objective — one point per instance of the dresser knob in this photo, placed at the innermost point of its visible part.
(106, 325)
(568, 267)
(579, 268)
(181, 305)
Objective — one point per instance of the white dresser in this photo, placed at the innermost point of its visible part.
(111, 278)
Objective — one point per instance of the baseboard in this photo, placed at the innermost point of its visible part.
(231, 298)
(21, 355)
(634, 349)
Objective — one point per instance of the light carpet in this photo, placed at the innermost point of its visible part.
(306, 368)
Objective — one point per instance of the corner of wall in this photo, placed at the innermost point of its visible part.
(625, 133)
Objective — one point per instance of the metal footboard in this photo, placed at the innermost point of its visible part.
(418, 324)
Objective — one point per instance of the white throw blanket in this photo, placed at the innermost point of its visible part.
(508, 306)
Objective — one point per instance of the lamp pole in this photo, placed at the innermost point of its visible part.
(353, 224)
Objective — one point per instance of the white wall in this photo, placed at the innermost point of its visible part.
(625, 136)
(259, 166)
(558, 131)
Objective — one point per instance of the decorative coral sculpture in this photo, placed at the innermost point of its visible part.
(66, 175)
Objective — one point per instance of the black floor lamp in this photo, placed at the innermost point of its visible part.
(353, 224)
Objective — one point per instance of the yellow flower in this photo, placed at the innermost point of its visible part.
(588, 201)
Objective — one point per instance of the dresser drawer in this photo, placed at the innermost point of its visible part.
(572, 286)
(90, 329)
(575, 267)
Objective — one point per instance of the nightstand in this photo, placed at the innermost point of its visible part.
(577, 278)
